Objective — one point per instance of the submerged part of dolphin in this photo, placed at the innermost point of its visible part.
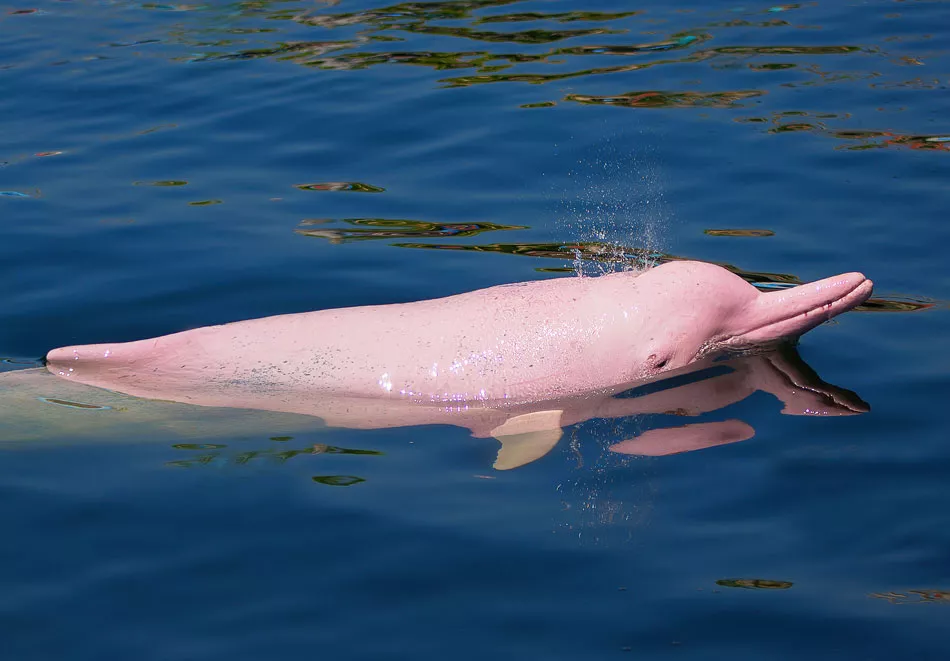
(36, 406)
(513, 344)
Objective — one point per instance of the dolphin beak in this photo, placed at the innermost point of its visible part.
(789, 313)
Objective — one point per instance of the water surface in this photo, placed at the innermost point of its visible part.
(170, 166)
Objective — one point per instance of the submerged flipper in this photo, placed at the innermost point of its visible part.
(526, 438)
(685, 438)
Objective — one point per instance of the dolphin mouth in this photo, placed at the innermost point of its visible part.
(788, 313)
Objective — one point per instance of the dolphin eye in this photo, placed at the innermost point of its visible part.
(660, 365)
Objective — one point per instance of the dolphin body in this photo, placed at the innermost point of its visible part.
(513, 343)
(517, 362)
(35, 407)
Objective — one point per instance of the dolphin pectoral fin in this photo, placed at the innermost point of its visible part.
(526, 438)
(520, 449)
(696, 436)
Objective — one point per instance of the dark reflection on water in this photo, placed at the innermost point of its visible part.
(739, 232)
(163, 183)
(344, 186)
(670, 99)
(564, 17)
(73, 405)
(392, 228)
(608, 255)
(754, 583)
(915, 597)
(338, 480)
(693, 44)
(864, 139)
(278, 456)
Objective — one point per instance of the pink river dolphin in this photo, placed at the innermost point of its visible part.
(511, 361)
(36, 406)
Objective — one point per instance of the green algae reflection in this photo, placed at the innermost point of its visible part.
(627, 257)
(915, 597)
(754, 584)
(481, 42)
(363, 229)
(342, 186)
(74, 405)
(657, 99)
(853, 139)
(212, 453)
(612, 256)
(162, 183)
(565, 17)
(383, 24)
(338, 480)
(739, 232)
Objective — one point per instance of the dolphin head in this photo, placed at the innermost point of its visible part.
(698, 309)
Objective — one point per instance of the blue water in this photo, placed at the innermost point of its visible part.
(173, 166)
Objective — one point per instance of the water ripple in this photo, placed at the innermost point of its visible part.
(344, 186)
(390, 228)
(626, 257)
(606, 53)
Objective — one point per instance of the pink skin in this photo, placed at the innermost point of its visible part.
(526, 431)
(513, 344)
(687, 438)
(781, 373)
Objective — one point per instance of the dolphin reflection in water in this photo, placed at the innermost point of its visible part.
(36, 405)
